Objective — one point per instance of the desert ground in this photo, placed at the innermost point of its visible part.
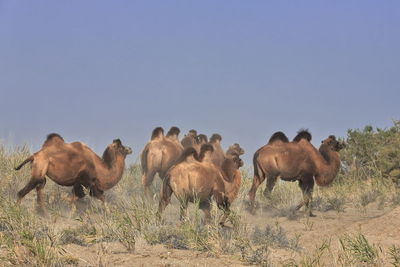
(357, 223)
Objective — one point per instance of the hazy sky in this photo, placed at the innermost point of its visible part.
(96, 70)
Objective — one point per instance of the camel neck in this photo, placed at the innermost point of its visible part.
(113, 173)
(328, 166)
(232, 188)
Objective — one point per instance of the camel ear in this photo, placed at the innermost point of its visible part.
(117, 141)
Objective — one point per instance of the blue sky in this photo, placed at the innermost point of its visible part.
(96, 70)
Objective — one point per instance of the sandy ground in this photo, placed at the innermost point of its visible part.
(380, 226)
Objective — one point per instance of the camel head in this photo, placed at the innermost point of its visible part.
(235, 148)
(332, 143)
(201, 139)
(119, 148)
(215, 138)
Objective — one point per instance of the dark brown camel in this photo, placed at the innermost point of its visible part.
(296, 160)
(75, 165)
(159, 154)
(196, 178)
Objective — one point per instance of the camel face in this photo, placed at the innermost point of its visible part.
(124, 150)
(235, 148)
(333, 143)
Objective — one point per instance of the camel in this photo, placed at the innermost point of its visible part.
(218, 155)
(159, 154)
(194, 177)
(297, 160)
(74, 164)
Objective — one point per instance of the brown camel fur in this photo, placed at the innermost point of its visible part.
(234, 149)
(76, 165)
(296, 160)
(196, 178)
(190, 139)
(159, 154)
(218, 155)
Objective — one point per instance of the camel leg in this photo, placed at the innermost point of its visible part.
(77, 193)
(165, 198)
(227, 212)
(38, 172)
(306, 187)
(183, 210)
(147, 180)
(205, 206)
(99, 194)
(271, 181)
(257, 180)
(27, 188)
(40, 200)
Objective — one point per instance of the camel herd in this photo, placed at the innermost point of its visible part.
(193, 169)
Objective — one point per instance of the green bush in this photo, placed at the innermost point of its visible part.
(373, 152)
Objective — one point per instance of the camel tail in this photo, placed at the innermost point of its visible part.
(143, 159)
(30, 159)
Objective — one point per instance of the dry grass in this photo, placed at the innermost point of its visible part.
(27, 239)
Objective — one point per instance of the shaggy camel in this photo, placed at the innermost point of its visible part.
(218, 156)
(296, 160)
(159, 154)
(76, 165)
(195, 177)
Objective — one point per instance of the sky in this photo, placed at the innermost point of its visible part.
(93, 71)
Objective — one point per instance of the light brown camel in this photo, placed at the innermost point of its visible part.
(196, 178)
(218, 156)
(159, 154)
(76, 165)
(296, 160)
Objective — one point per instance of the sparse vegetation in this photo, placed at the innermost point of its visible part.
(276, 236)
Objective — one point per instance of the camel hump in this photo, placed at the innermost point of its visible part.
(302, 134)
(278, 136)
(53, 137)
(192, 132)
(157, 132)
(201, 138)
(173, 131)
(215, 137)
(187, 153)
(204, 148)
